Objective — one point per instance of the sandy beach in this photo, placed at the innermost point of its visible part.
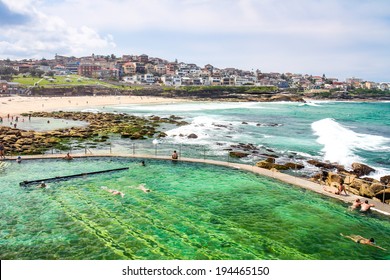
(15, 105)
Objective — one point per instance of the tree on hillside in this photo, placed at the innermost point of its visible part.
(36, 72)
(6, 73)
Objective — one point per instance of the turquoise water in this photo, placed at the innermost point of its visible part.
(194, 211)
(340, 132)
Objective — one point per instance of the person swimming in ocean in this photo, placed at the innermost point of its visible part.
(361, 240)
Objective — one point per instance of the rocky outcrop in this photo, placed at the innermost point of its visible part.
(385, 180)
(192, 136)
(271, 165)
(354, 184)
(361, 169)
(99, 127)
(325, 165)
(238, 154)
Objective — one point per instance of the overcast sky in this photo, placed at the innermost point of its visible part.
(338, 38)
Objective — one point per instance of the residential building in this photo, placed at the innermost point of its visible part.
(143, 58)
(129, 68)
(87, 70)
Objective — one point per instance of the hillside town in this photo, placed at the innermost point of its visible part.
(145, 70)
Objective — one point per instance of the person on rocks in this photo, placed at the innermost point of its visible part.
(361, 240)
(341, 189)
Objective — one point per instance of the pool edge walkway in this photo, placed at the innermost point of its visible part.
(286, 178)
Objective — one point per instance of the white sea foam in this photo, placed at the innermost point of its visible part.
(340, 143)
(188, 106)
(310, 103)
(203, 127)
(91, 110)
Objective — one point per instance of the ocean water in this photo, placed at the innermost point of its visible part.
(194, 211)
(338, 132)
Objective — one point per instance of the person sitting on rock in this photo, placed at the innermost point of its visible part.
(341, 188)
(174, 155)
(336, 191)
(365, 206)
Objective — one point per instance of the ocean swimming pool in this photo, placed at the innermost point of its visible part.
(194, 211)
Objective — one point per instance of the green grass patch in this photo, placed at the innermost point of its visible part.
(59, 81)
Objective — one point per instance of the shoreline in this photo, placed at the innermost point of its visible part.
(15, 105)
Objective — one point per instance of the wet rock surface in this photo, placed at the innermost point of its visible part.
(100, 126)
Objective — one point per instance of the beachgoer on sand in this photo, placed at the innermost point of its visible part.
(361, 240)
(365, 206)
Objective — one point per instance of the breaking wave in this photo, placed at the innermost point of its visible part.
(340, 143)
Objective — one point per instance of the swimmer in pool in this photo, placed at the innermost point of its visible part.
(361, 240)
(114, 192)
(142, 188)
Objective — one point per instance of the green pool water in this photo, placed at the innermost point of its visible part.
(194, 211)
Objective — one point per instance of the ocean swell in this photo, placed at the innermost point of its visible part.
(340, 143)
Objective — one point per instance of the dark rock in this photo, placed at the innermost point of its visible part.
(238, 154)
(385, 180)
(192, 136)
(325, 165)
(269, 165)
(296, 166)
(361, 169)
(384, 194)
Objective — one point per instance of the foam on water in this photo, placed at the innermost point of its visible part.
(205, 127)
(340, 142)
(91, 110)
(187, 107)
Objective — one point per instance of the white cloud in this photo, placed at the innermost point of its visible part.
(47, 34)
(331, 36)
